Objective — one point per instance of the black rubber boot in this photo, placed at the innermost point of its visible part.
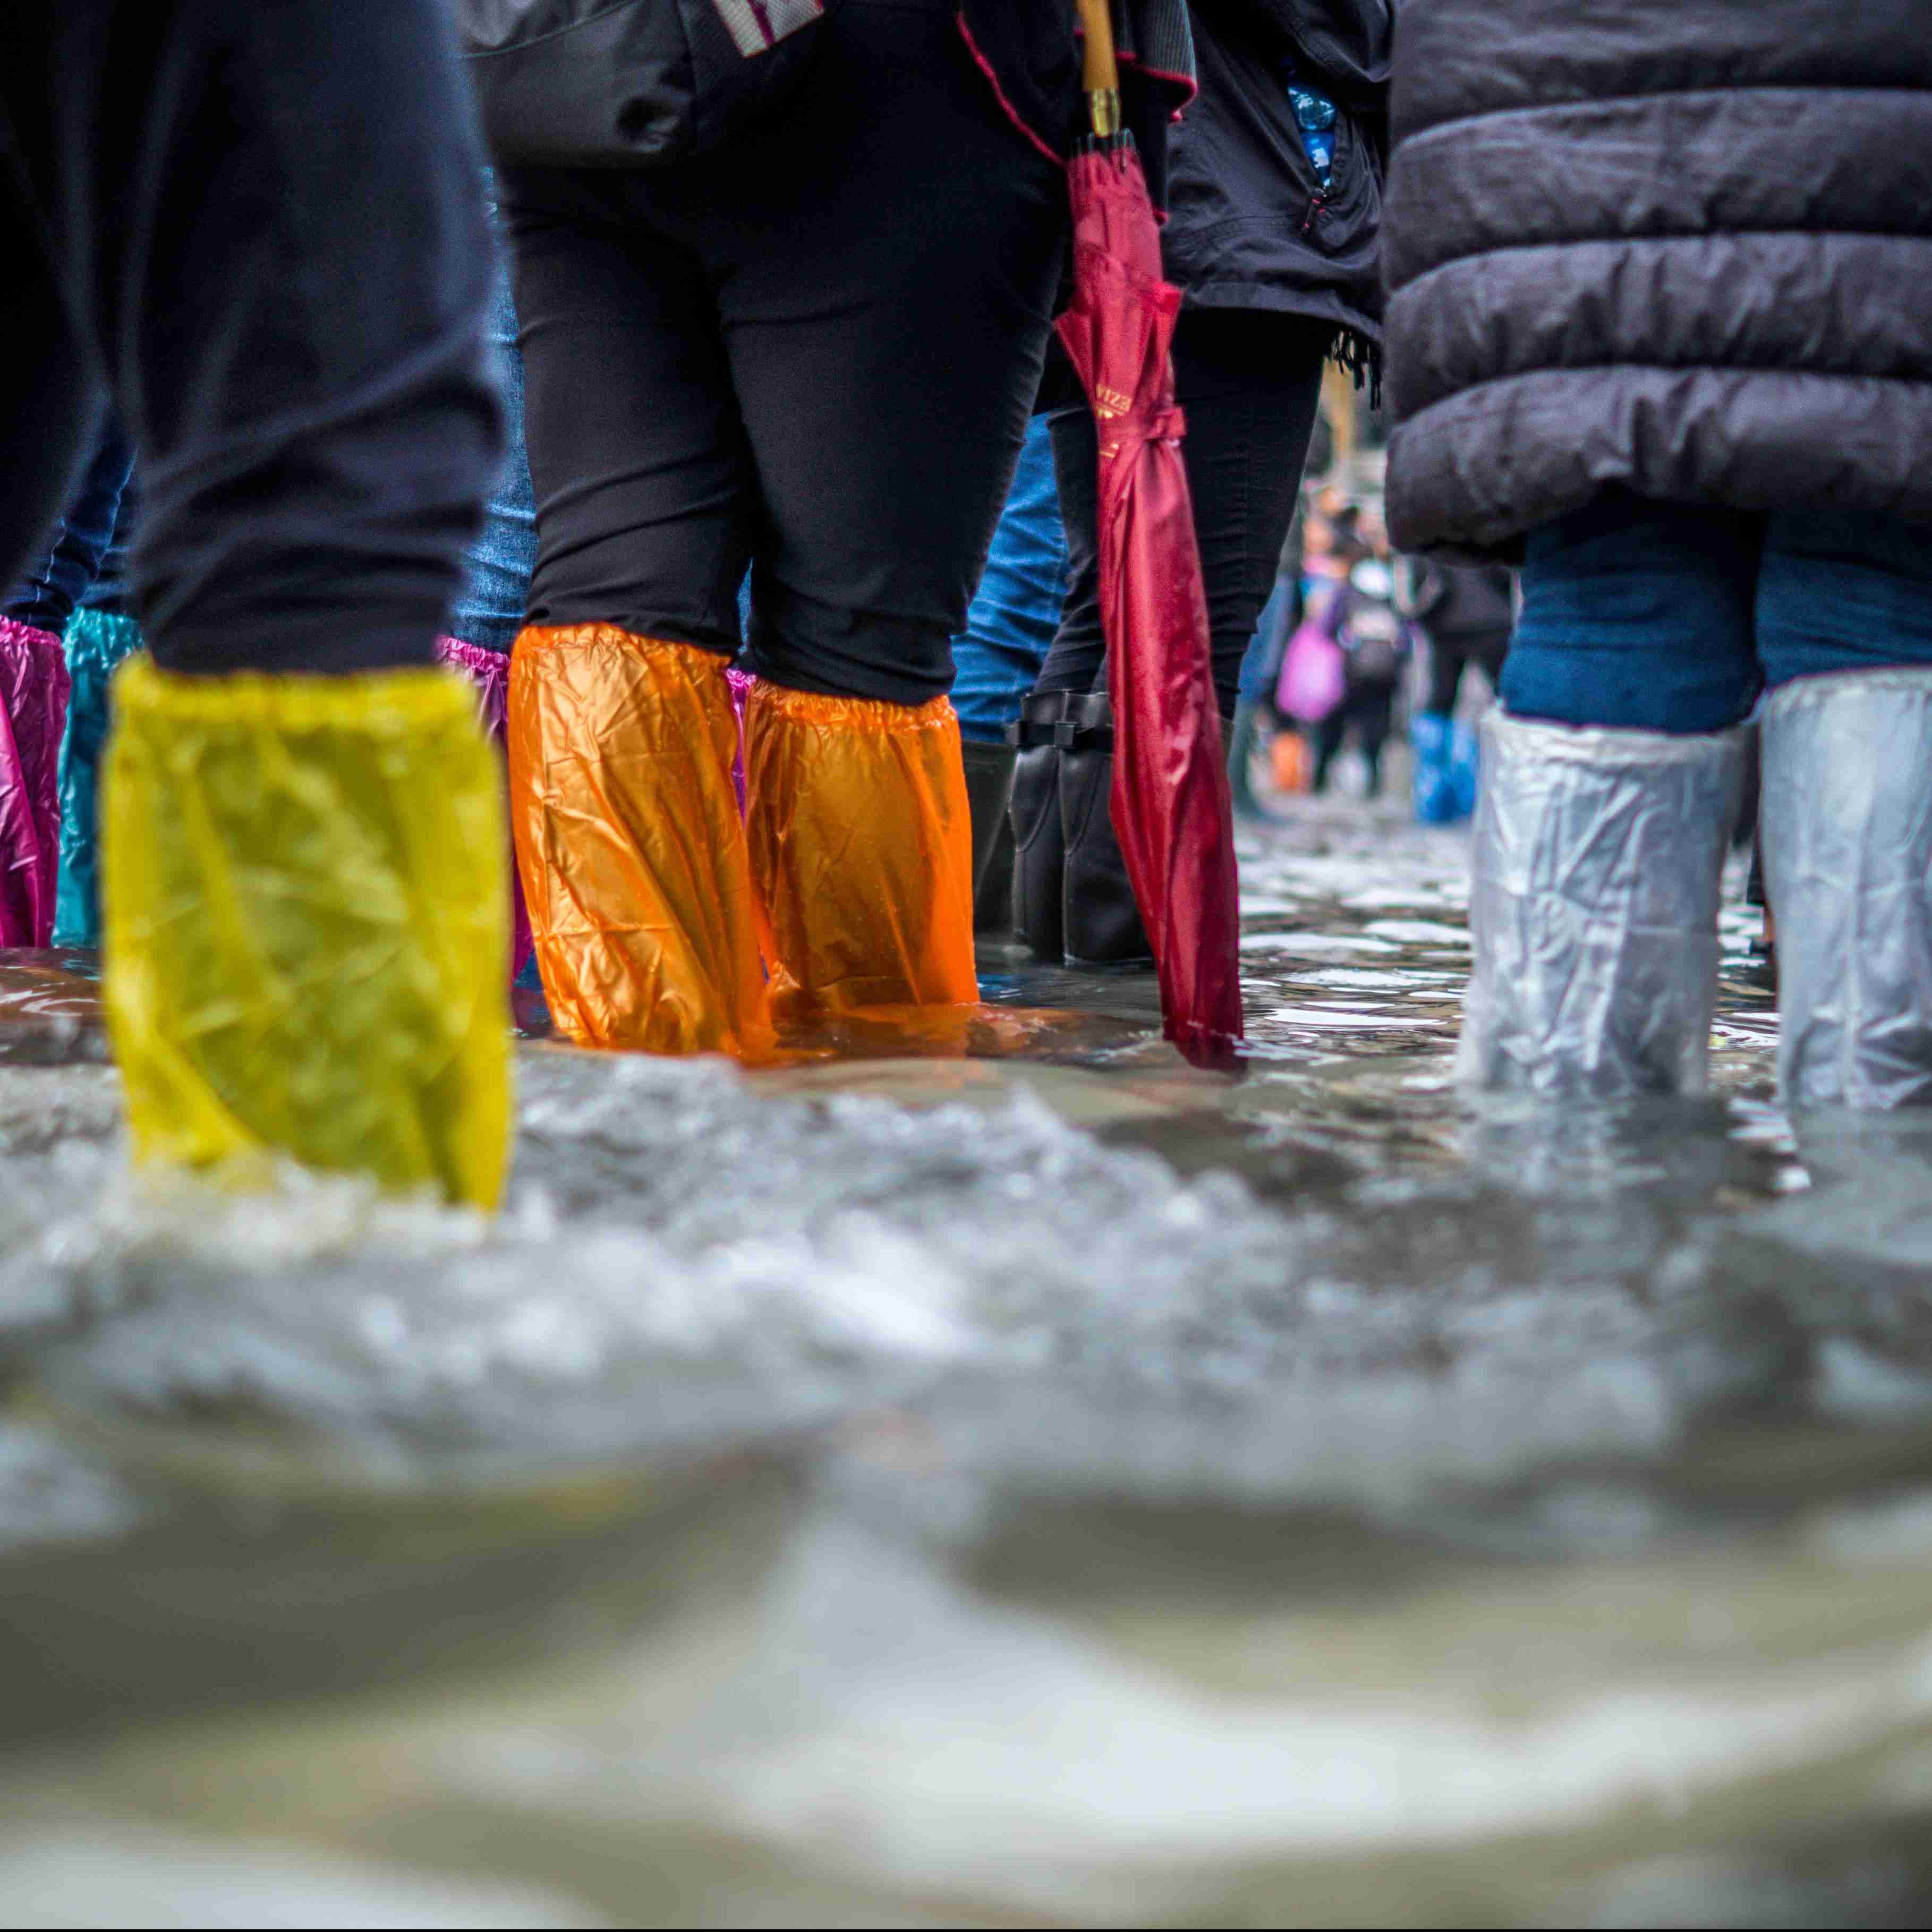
(1102, 923)
(1039, 852)
(993, 903)
(1240, 734)
(989, 793)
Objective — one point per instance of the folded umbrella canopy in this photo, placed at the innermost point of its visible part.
(1171, 810)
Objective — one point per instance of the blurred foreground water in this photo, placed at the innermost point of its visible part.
(1022, 1481)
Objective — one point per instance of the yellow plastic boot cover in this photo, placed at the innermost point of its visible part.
(305, 921)
(862, 848)
(630, 843)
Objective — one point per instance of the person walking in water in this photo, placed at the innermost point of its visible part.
(261, 225)
(1656, 327)
(1274, 209)
(811, 349)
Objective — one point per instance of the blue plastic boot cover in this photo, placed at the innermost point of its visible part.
(1430, 737)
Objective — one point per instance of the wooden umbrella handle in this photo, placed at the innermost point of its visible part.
(1100, 73)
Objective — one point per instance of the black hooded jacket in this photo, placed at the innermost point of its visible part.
(1250, 225)
(1682, 248)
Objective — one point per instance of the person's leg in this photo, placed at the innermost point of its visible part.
(1260, 667)
(886, 309)
(1431, 737)
(45, 407)
(307, 394)
(102, 634)
(1844, 618)
(622, 733)
(1329, 735)
(1371, 709)
(1637, 617)
(1009, 628)
(53, 586)
(1609, 780)
(496, 579)
(1249, 382)
(489, 611)
(1446, 662)
(1016, 611)
(314, 431)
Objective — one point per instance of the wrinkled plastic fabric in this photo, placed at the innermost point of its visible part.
(861, 851)
(1432, 783)
(1444, 765)
(1596, 874)
(33, 715)
(1846, 818)
(630, 844)
(96, 642)
(1172, 807)
(487, 673)
(300, 878)
(739, 682)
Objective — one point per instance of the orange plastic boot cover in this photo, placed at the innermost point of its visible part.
(862, 848)
(629, 842)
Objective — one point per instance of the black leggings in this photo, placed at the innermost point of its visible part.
(262, 224)
(1448, 658)
(813, 350)
(1249, 382)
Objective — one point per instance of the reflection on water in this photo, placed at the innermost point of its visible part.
(1002, 1473)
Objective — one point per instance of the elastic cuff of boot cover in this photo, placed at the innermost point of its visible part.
(1846, 819)
(97, 641)
(301, 888)
(1596, 873)
(1897, 682)
(33, 688)
(630, 843)
(1610, 746)
(862, 849)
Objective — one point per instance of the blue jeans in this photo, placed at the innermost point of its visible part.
(80, 543)
(1261, 668)
(1015, 612)
(496, 572)
(1673, 617)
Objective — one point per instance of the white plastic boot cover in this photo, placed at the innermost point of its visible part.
(1598, 865)
(1847, 823)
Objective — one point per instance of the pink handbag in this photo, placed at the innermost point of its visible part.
(1314, 671)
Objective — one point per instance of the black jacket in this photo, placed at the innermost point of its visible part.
(1682, 246)
(1249, 224)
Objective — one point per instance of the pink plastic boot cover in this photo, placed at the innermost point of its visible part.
(33, 715)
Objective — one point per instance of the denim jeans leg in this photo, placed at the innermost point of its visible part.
(1838, 592)
(80, 543)
(496, 573)
(1015, 612)
(1638, 615)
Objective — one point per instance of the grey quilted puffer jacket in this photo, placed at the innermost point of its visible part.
(1683, 246)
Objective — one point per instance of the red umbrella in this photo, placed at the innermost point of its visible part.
(1170, 807)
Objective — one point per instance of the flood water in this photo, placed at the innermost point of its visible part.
(1022, 1481)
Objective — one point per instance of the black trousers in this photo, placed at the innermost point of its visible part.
(1249, 382)
(1447, 657)
(258, 228)
(1368, 708)
(812, 351)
